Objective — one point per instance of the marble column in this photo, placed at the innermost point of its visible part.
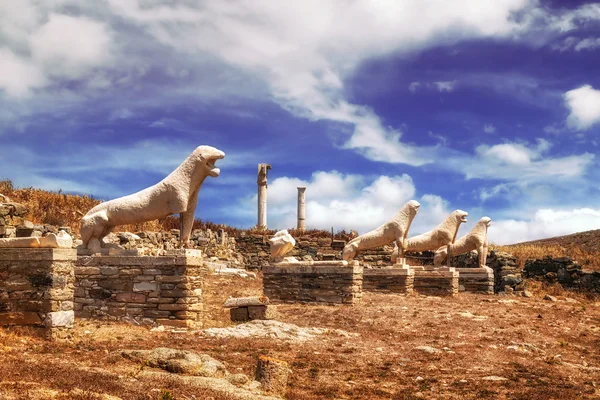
(262, 194)
(301, 208)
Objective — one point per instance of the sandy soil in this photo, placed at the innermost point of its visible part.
(466, 347)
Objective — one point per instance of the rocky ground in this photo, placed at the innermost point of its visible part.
(388, 347)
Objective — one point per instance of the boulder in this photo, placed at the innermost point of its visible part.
(178, 361)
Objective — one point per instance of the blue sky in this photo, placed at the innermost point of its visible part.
(490, 107)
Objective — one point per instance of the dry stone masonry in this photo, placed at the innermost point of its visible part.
(436, 281)
(325, 282)
(166, 290)
(36, 288)
(388, 280)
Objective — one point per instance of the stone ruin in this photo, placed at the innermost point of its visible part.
(157, 277)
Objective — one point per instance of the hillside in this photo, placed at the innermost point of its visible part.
(584, 247)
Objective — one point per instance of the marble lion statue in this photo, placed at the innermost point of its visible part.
(442, 235)
(176, 194)
(395, 230)
(476, 239)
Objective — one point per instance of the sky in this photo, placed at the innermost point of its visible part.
(492, 107)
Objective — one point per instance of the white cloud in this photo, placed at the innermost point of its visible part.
(587, 43)
(489, 128)
(305, 67)
(584, 103)
(346, 201)
(17, 75)
(445, 86)
(577, 44)
(519, 162)
(414, 86)
(545, 223)
(70, 46)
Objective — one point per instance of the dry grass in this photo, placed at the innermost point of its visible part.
(587, 258)
(62, 209)
(543, 349)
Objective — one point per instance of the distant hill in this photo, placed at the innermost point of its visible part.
(588, 241)
(584, 247)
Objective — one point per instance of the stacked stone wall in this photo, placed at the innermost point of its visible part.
(325, 282)
(562, 270)
(388, 280)
(256, 252)
(440, 281)
(166, 290)
(36, 287)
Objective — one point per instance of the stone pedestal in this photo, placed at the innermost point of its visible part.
(324, 282)
(36, 288)
(436, 281)
(166, 290)
(396, 279)
(479, 280)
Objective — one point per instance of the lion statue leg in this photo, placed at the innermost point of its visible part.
(440, 256)
(93, 229)
(349, 251)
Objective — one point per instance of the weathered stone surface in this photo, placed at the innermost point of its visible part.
(177, 361)
(273, 375)
(141, 288)
(262, 312)
(176, 194)
(239, 314)
(395, 230)
(329, 282)
(145, 286)
(59, 319)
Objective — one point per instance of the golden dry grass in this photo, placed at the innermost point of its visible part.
(544, 350)
(587, 258)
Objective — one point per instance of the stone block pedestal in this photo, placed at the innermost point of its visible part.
(396, 279)
(37, 287)
(165, 290)
(324, 282)
(436, 281)
(477, 280)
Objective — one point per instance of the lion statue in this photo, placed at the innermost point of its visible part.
(177, 193)
(395, 230)
(442, 235)
(476, 239)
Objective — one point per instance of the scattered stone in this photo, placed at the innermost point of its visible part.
(428, 349)
(419, 379)
(273, 375)
(526, 293)
(550, 298)
(177, 361)
(272, 329)
(238, 379)
(494, 378)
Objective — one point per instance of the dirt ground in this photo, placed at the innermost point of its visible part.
(479, 346)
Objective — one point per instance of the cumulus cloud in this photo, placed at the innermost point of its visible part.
(519, 162)
(545, 223)
(302, 52)
(584, 104)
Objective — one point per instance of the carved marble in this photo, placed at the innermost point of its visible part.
(442, 235)
(395, 230)
(177, 193)
(261, 180)
(281, 243)
(476, 239)
(61, 240)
